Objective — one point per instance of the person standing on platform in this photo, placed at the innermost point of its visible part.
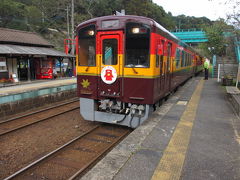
(206, 67)
(54, 73)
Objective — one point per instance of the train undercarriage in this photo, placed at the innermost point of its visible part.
(114, 112)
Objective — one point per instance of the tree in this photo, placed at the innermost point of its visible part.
(190, 22)
(136, 7)
(12, 14)
(234, 16)
(218, 42)
(216, 39)
(157, 13)
(103, 7)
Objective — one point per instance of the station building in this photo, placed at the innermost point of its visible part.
(27, 56)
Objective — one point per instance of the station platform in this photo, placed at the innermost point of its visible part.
(26, 96)
(193, 135)
(33, 85)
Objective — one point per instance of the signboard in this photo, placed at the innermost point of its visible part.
(3, 64)
(3, 61)
(109, 74)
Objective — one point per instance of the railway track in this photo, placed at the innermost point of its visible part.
(37, 116)
(72, 159)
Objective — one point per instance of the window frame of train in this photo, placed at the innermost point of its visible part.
(113, 49)
(87, 46)
(137, 45)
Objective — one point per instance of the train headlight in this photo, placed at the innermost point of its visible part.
(90, 32)
(135, 30)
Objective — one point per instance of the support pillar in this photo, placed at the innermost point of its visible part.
(28, 70)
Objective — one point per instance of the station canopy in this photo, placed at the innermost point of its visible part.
(30, 50)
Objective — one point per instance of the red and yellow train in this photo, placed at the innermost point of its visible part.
(126, 65)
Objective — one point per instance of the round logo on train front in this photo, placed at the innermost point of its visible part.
(109, 74)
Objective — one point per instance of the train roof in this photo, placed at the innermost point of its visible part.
(125, 19)
(156, 27)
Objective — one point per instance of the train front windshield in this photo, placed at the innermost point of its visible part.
(87, 46)
(137, 45)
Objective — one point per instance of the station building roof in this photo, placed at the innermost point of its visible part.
(12, 36)
(17, 42)
(30, 50)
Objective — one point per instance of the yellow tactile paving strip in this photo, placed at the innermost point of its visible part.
(171, 163)
(29, 87)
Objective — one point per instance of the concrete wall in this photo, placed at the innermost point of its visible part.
(31, 103)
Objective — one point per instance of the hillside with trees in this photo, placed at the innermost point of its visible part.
(50, 17)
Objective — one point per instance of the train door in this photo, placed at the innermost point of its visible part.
(168, 68)
(161, 64)
(111, 50)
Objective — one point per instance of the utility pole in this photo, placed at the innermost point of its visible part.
(72, 20)
(73, 45)
(68, 33)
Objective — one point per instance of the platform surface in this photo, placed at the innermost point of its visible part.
(194, 135)
(35, 85)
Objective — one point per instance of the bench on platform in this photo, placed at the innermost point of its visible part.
(232, 90)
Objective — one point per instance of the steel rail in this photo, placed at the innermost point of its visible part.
(49, 154)
(42, 110)
(40, 120)
(96, 158)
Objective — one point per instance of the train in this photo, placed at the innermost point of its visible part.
(126, 65)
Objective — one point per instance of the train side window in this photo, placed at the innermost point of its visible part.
(87, 46)
(161, 65)
(157, 60)
(109, 51)
(163, 47)
(186, 62)
(178, 58)
(183, 59)
(169, 56)
(158, 53)
(189, 59)
(163, 53)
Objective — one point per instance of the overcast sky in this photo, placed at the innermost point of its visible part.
(198, 8)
